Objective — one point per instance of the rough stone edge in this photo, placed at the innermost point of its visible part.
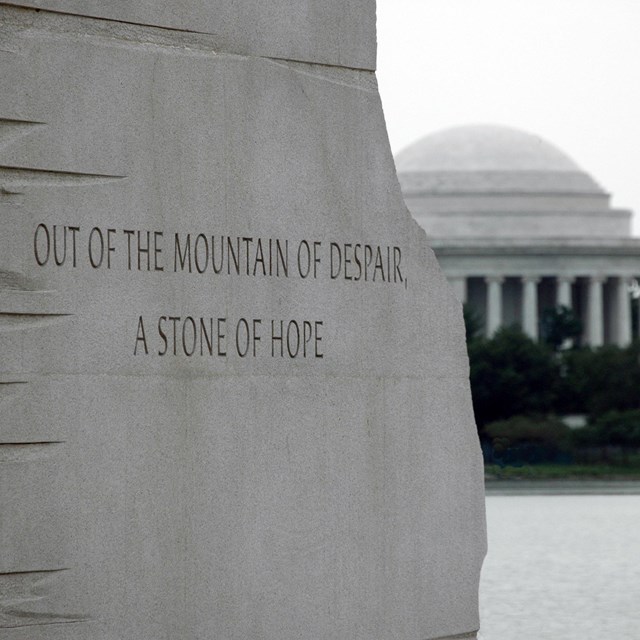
(368, 61)
(15, 18)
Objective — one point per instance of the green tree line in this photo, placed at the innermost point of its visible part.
(520, 387)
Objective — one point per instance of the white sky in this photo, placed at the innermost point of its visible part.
(566, 70)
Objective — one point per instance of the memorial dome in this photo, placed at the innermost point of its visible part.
(519, 227)
(494, 181)
(491, 158)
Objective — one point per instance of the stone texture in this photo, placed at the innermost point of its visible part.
(334, 494)
(334, 32)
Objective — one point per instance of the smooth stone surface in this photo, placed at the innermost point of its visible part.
(184, 478)
(334, 32)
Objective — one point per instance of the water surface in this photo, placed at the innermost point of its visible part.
(561, 567)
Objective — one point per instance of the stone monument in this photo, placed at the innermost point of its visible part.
(233, 380)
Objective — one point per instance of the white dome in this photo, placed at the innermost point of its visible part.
(491, 158)
(483, 148)
(497, 182)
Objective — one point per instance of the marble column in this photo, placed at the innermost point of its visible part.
(530, 306)
(635, 294)
(622, 312)
(459, 286)
(494, 303)
(595, 320)
(563, 291)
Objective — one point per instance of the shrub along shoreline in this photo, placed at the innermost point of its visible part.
(521, 388)
(615, 473)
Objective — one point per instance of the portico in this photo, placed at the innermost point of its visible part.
(611, 323)
(506, 283)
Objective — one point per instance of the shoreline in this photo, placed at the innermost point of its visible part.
(567, 487)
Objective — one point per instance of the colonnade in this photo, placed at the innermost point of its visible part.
(616, 316)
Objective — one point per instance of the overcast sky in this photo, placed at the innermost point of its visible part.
(566, 70)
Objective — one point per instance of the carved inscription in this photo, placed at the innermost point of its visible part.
(143, 250)
(222, 337)
(214, 256)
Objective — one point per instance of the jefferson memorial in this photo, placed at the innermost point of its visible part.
(519, 227)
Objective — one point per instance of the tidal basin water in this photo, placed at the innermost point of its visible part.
(561, 567)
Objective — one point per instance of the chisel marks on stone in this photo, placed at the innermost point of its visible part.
(27, 451)
(11, 130)
(17, 321)
(12, 389)
(14, 281)
(14, 179)
(21, 598)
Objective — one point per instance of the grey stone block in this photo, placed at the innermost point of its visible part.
(235, 403)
